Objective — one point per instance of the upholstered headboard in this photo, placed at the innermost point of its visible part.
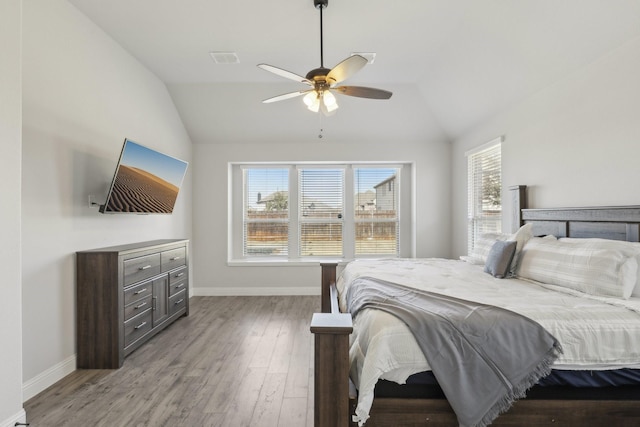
(606, 222)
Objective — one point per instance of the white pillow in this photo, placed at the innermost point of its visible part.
(485, 242)
(521, 237)
(628, 248)
(592, 270)
(482, 246)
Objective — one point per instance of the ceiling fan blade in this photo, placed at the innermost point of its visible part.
(363, 92)
(286, 74)
(286, 96)
(345, 69)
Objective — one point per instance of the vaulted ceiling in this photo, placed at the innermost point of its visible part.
(450, 63)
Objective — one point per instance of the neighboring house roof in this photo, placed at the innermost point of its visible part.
(272, 196)
(391, 178)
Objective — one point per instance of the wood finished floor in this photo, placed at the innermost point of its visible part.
(235, 361)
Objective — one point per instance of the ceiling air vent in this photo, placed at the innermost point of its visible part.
(225, 57)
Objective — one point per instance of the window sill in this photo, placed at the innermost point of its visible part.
(278, 262)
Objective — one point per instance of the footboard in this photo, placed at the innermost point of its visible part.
(331, 383)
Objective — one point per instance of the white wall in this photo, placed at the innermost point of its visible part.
(576, 143)
(82, 95)
(10, 150)
(210, 201)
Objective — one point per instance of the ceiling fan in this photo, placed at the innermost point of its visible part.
(324, 81)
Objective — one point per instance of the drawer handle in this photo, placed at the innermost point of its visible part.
(175, 258)
(145, 267)
(179, 301)
(140, 306)
(140, 325)
(179, 286)
(141, 291)
(179, 274)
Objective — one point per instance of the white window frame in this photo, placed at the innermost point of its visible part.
(405, 213)
(477, 222)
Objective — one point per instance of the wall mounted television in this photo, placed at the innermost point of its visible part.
(145, 182)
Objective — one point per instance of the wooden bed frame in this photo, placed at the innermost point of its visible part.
(335, 396)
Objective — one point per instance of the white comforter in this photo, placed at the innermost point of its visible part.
(595, 332)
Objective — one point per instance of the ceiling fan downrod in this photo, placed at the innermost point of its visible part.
(321, 4)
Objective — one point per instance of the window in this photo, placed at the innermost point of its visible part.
(306, 211)
(266, 215)
(376, 211)
(484, 190)
(321, 211)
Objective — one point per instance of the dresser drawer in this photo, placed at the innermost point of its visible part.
(178, 275)
(137, 327)
(138, 292)
(178, 280)
(132, 310)
(173, 258)
(176, 287)
(136, 269)
(177, 302)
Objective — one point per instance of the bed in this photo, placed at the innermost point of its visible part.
(337, 400)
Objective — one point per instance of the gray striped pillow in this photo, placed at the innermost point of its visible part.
(628, 248)
(592, 270)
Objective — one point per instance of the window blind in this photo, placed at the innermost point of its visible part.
(376, 211)
(484, 191)
(321, 211)
(266, 212)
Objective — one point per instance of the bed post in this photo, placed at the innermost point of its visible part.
(331, 331)
(331, 369)
(518, 202)
(328, 279)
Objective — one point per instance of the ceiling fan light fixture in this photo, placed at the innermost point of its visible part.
(312, 100)
(329, 101)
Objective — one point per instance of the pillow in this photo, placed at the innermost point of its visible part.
(482, 246)
(485, 241)
(628, 248)
(499, 259)
(521, 237)
(592, 270)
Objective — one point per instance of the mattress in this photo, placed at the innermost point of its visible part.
(597, 333)
(618, 384)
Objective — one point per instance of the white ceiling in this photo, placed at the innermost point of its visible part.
(450, 63)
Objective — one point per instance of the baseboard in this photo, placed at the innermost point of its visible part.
(48, 378)
(20, 417)
(254, 291)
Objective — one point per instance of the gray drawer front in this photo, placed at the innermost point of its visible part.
(173, 258)
(137, 327)
(178, 275)
(136, 269)
(138, 292)
(132, 310)
(176, 287)
(177, 302)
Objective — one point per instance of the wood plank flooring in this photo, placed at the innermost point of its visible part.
(235, 361)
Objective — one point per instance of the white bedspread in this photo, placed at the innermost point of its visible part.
(595, 332)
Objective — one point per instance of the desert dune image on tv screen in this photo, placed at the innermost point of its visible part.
(146, 181)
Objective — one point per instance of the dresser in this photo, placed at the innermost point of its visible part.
(125, 295)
